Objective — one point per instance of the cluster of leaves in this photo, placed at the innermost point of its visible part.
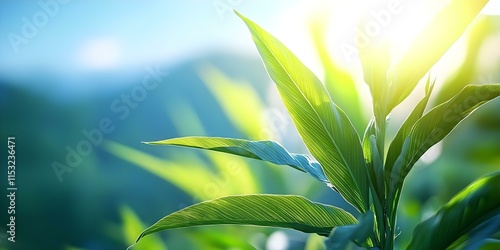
(359, 169)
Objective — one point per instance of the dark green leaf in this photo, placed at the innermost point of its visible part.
(359, 234)
(476, 204)
(324, 127)
(287, 211)
(475, 238)
(269, 151)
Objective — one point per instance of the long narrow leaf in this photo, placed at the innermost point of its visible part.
(190, 178)
(287, 211)
(438, 123)
(227, 91)
(404, 131)
(375, 170)
(473, 206)
(323, 126)
(132, 226)
(373, 160)
(430, 44)
(269, 151)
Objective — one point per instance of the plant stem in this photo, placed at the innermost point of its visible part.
(387, 229)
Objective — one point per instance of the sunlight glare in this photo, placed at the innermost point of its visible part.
(100, 53)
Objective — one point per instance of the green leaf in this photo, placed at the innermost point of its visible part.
(476, 237)
(325, 129)
(375, 59)
(227, 91)
(287, 211)
(132, 226)
(478, 33)
(476, 204)
(430, 45)
(367, 150)
(359, 234)
(376, 171)
(373, 160)
(404, 131)
(269, 151)
(437, 124)
(490, 244)
(188, 172)
(190, 178)
(338, 81)
(315, 242)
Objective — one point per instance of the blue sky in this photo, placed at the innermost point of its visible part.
(79, 36)
(101, 35)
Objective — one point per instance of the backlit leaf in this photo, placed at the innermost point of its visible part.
(325, 129)
(476, 204)
(287, 211)
(269, 151)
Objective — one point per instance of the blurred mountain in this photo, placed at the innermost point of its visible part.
(50, 117)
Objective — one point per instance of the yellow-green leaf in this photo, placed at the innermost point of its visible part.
(325, 129)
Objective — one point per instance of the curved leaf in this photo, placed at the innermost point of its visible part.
(475, 238)
(437, 124)
(227, 91)
(476, 204)
(490, 244)
(359, 233)
(479, 32)
(430, 44)
(325, 129)
(269, 151)
(376, 172)
(404, 131)
(374, 161)
(132, 226)
(287, 211)
(190, 178)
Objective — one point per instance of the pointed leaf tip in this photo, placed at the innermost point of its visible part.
(325, 129)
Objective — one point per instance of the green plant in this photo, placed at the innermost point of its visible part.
(367, 175)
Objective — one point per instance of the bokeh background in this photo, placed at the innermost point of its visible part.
(83, 83)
